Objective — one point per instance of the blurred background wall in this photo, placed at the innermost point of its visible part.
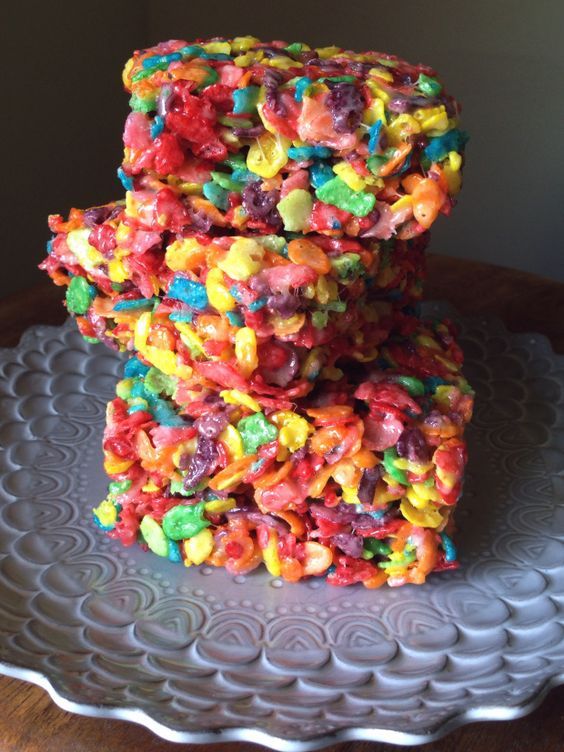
(504, 59)
(62, 116)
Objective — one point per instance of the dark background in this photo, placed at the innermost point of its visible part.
(64, 106)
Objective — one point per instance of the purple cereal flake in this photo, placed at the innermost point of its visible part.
(346, 104)
(261, 205)
(412, 445)
(368, 482)
(253, 132)
(374, 216)
(273, 522)
(451, 105)
(419, 101)
(329, 67)
(258, 284)
(307, 56)
(366, 523)
(272, 51)
(399, 104)
(284, 304)
(342, 514)
(251, 514)
(97, 215)
(99, 325)
(211, 424)
(349, 543)
(199, 220)
(272, 80)
(298, 455)
(361, 68)
(202, 461)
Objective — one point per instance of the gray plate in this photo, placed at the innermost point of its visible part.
(199, 656)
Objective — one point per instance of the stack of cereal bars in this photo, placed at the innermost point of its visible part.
(283, 402)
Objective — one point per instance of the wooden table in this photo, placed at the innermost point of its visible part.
(30, 722)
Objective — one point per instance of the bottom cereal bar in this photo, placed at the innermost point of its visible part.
(356, 482)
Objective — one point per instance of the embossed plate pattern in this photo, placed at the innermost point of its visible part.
(199, 656)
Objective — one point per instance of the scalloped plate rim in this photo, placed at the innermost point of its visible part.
(253, 735)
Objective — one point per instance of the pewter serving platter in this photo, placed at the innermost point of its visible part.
(199, 656)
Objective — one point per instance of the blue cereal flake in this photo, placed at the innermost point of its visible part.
(449, 547)
(187, 291)
(374, 136)
(256, 466)
(194, 50)
(105, 515)
(165, 415)
(378, 514)
(125, 180)
(105, 528)
(394, 295)
(234, 318)
(134, 368)
(234, 292)
(138, 389)
(439, 146)
(320, 173)
(157, 126)
(137, 409)
(161, 61)
(304, 153)
(245, 100)
(257, 304)
(174, 554)
(185, 316)
(50, 246)
(302, 85)
(133, 305)
(218, 196)
(242, 175)
(432, 382)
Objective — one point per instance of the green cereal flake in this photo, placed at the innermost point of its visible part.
(295, 210)
(255, 431)
(415, 387)
(154, 536)
(428, 86)
(390, 456)
(338, 193)
(184, 521)
(158, 382)
(148, 104)
(79, 295)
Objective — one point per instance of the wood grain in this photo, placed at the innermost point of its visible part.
(31, 722)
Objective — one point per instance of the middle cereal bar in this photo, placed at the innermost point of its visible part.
(262, 314)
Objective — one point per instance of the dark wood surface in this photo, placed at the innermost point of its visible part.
(31, 722)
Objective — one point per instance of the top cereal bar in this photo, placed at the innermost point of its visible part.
(275, 137)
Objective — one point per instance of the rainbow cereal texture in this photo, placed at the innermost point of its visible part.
(284, 404)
